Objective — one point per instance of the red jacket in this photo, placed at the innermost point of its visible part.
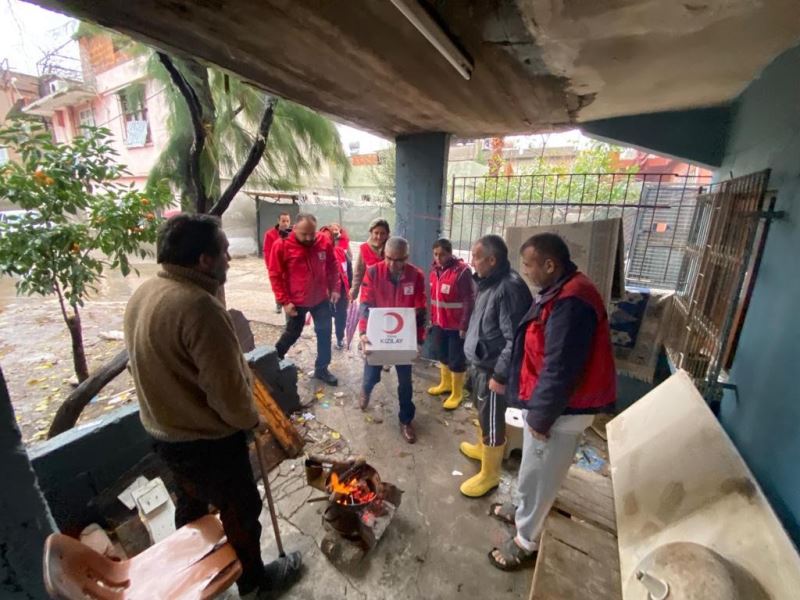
(341, 260)
(597, 385)
(452, 295)
(303, 275)
(379, 291)
(273, 234)
(344, 240)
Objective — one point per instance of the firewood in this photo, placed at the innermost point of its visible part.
(279, 425)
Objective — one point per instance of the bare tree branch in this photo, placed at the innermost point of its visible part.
(253, 158)
(196, 113)
(69, 411)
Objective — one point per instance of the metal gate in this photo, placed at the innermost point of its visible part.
(719, 263)
(656, 212)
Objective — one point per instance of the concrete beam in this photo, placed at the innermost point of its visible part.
(699, 136)
(25, 520)
(420, 181)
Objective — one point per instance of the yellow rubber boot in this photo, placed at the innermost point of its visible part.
(473, 451)
(489, 476)
(457, 395)
(444, 382)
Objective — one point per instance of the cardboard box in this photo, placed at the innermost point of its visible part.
(392, 333)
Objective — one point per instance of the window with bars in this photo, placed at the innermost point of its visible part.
(719, 266)
(133, 107)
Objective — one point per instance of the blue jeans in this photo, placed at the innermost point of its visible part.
(321, 313)
(340, 316)
(372, 375)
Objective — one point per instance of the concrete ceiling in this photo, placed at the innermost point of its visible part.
(538, 64)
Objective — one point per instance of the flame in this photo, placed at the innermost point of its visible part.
(342, 488)
(354, 491)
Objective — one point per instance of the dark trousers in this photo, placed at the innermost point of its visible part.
(340, 316)
(405, 391)
(491, 408)
(448, 348)
(321, 313)
(218, 472)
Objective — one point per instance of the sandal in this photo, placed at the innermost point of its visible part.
(514, 557)
(504, 512)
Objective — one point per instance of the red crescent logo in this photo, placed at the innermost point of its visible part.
(399, 324)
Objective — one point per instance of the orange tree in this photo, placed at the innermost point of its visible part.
(77, 219)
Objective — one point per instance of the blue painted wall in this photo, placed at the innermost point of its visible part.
(73, 467)
(671, 133)
(760, 130)
(421, 180)
(764, 421)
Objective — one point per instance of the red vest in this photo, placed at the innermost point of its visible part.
(447, 307)
(368, 255)
(598, 385)
(341, 259)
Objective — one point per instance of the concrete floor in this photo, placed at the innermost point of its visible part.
(437, 544)
(436, 547)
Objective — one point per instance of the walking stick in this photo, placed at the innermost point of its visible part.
(265, 478)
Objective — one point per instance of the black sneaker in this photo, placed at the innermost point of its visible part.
(340, 344)
(279, 575)
(326, 377)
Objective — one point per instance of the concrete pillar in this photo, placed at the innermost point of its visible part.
(421, 182)
(25, 520)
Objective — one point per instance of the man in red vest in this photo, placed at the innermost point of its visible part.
(281, 230)
(562, 373)
(393, 283)
(452, 300)
(305, 278)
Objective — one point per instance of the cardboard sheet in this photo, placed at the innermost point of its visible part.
(597, 247)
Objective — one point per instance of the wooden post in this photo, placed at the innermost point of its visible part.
(279, 425)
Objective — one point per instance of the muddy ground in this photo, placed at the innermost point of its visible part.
(36, 352)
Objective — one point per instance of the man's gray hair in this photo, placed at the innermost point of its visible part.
(397, 244)
(305, 217)
(495, 246)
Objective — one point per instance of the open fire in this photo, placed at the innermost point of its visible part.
(354, 492)
(360, 506)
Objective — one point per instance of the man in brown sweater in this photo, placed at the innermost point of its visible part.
(194, 392)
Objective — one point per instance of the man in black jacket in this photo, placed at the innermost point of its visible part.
(503, 299)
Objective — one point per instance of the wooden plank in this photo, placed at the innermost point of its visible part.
(577, 561)
(279, 425)
(272, 452)
(588, 496)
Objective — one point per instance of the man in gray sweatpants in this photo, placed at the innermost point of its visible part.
(561, 374)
